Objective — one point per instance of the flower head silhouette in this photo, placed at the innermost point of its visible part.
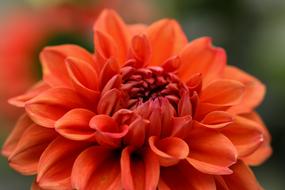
(148, 110)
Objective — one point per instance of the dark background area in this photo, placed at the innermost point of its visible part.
(253, 34)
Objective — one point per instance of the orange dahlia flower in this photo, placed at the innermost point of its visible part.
(148, 110)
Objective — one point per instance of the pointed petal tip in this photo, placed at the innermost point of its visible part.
(16, 101)
(169, 150)
(74, 125)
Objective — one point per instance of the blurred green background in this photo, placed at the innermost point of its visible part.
(251, 31)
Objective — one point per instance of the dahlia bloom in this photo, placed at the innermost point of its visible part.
(148, 110)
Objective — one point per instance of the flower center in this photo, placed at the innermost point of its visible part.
(150, 83)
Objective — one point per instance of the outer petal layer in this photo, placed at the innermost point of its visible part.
(165, 35)
(53, 61)
(25, 156)
(244, 134)
(10, 144)
(96, 168)
(113, 27)
(170, 150)
(38, 88)
(139, 172)
(54, 169)
(199, 56)
(264, 150)
(84, 78)
(52, 104)
(254, 89)
(74, 125)
(223, 92)
(184, 177)
(242, 178)
(211, 152)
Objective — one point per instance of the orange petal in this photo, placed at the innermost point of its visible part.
(194, 101)
(136, 134)
(194, 83)
(216, 119)
(96, 168)
(110, 102)
(139, 172)
(167, 113)
(181, 126)
(25, 156)
(82, 73)
(124, 116)
(52, 104)
(114, 82)
(254, 89)
(38, 88)
(109, 70)
(244, 134)
(184, 105)
(140, 50)
(74, 125)
(83, 77)
(242, 178)
(220, 183)
(23, 123)
(265, 150)
(219, 95)
(111, 24)
(105, 47)
(259, 156)
(184, 177)
(106, 125)
(172, 64)
(254, 116)
(108, 132)
(169, 150)
(199, 56)
(223, 92)
(152, 169)
(210, 151)
(55, 165)
(155, 117)
(53, 62)
(166, 39)
(144, 110)
(127, 173)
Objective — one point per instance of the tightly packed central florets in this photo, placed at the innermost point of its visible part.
(150, 83)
